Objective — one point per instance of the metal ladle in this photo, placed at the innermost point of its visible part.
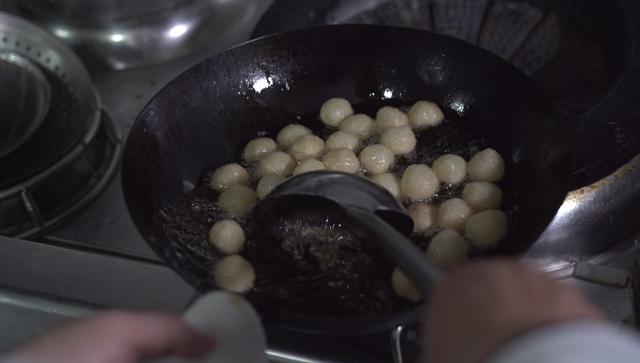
(373, 215)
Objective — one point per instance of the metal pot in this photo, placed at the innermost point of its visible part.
(122, 34)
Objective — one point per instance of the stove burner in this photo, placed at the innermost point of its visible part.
(50, 197)
(577, 51)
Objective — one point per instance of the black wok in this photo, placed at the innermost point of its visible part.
(204, 117)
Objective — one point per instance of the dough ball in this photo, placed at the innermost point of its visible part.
(487, 228)
(343, 160)
(276, 162)
(228, 175)
(450, 169)
(486, 165)
(425, 114)
(334, 110)
(234, 273)
(404, 287)
(425, 217)
(388, 117)
(290, 134)
(258, 147)
(308, 146)
(342, 139)
(308, 166)
(267, 184)
(453, 214)
(482, 195)
(419, 182)
(388, 181)
(359, 125)
(401, 140)
(377, 159)
(238, 200)
(447, 248)
(227, 237)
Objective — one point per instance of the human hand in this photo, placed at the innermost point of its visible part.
(115, 337)
(480, 306)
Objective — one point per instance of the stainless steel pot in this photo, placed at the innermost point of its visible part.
(122, 34)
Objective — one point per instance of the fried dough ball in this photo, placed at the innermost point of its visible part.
(404, 287)
(334, 110)
(447, 248)
(388, 181)
(424, 216)
(377, 159)
(388, 117)
(486, 165)
(453, 214)
(290, 134)
(425, 114)
(228, 175)
(238, 200)
(227, 236)
(487, 228)
(419, 182)
(277, 162)
(234, 273)
(308, 146)
(257, 148)
(268, 183)
(482, 195)
(401, 140)
(343, 160)
(450, 169)
(342, 139)
(360, 125)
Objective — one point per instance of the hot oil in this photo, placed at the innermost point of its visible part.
(311, 263)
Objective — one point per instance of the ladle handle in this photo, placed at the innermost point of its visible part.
(407, 256)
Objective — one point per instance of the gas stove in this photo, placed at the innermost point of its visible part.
(98, 260)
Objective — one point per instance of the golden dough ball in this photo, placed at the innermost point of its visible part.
(487, 228)
(277, 162)
(453, 214)
(404, 287)
(388, 117)
(425, 114)
(419, 182)
(308, 146)
(334, 110)
(401, 140)
(486, 165)
(228, 175)
(377, 159)
(424, 216)
(268, 183)
(234, 273)
(227, 237)
(359, 125)
(343, 160)
(238, 200)
(308, 166)
(482, 195)
(447, 248)
(290, 134)
(388, 181)
(257, 148)
(450, 169)
(342, 139)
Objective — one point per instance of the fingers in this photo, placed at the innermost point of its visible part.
(149, 335)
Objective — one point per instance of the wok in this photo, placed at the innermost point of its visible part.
(204, 117)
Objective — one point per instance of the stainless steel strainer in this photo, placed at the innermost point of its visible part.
(74, 102)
